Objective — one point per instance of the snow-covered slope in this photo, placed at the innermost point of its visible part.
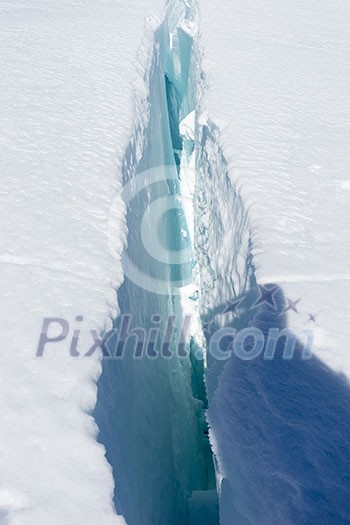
(69, 71)
(273, 140)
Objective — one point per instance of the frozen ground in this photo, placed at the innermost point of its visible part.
(275, 128)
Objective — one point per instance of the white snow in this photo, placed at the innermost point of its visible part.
(69, 74)
(187, 126)
(282, 89)
(276, 118)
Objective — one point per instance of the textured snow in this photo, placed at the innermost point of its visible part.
(284, 83)
(276, 110)
(69, 70)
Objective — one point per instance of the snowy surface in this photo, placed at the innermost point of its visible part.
(278, 82)
(68, 74)
(280, 93)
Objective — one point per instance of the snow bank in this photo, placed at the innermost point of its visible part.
(69, 71)
(272, 206)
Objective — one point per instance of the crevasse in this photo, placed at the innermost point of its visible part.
(151, 411)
